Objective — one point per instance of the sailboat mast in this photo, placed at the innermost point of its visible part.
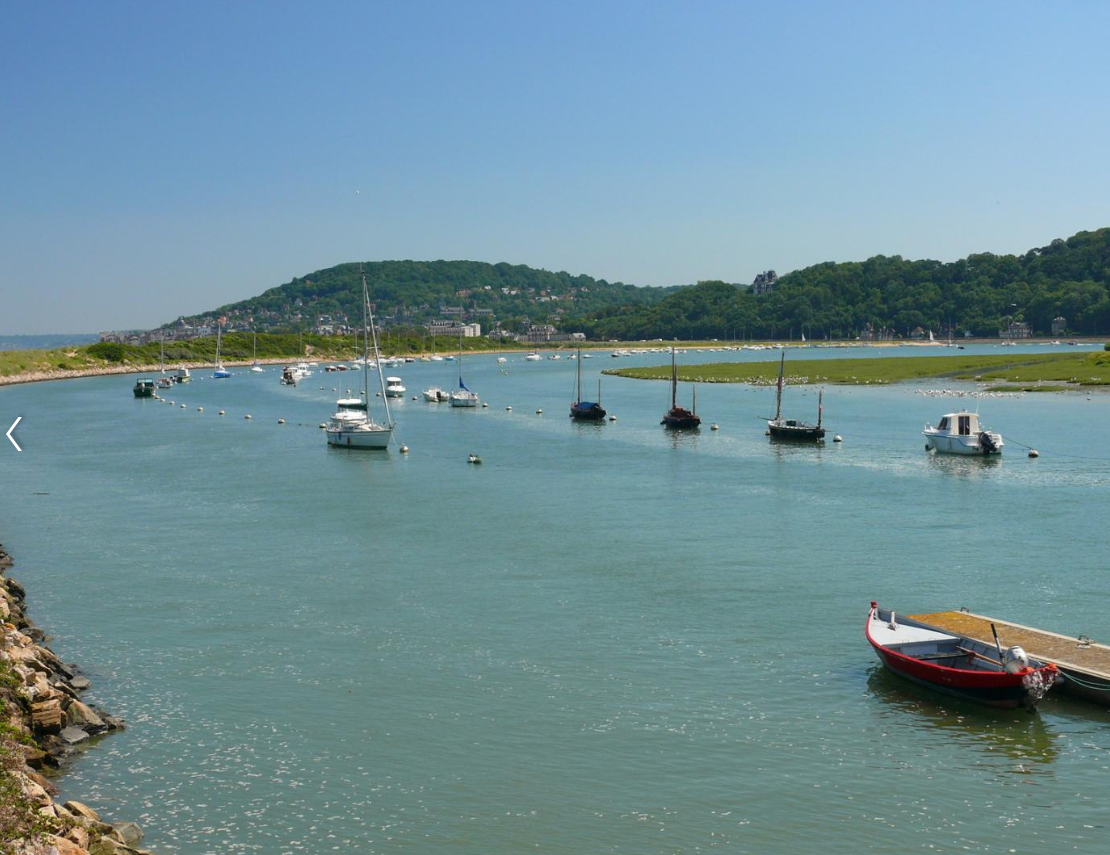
(820, 407)
(579, 398)
(377, 356)
(674, 381)
(778, 394)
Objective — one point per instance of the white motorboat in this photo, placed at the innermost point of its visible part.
(533, 357)
(182, 375)
(587, 356)
(303, 370)
(961, 433)
(394, 388)
(501, 360)
(435, 395)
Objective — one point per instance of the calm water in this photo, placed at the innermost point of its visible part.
(604, 639)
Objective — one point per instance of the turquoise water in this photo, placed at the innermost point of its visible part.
(606, 638)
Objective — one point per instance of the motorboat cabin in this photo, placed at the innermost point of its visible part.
(961, 433)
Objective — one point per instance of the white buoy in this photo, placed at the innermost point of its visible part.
(414, 397)
(323, 426)
(247, 416)
(1034, 453)
(838, 438)
(473, 458)
(484, 404)
(539, 412)
(714, 427)
(612, 418)
(222, 413)
(200, 409)
(404, 449)
(183, 406)
(508, 409)
(281, 421)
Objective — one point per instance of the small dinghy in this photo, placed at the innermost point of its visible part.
(957, 665)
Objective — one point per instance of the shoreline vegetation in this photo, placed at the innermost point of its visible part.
(44, 725)
(102, 359)
(1043, 372)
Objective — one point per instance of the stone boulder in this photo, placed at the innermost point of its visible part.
(73, 735)
(82, 809)
(132, 835)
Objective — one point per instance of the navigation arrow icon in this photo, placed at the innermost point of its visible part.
(9, 433)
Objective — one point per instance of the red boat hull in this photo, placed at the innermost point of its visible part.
(1000, 689)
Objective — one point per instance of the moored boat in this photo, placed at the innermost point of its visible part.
(961, 433)
(586, 410)
(435, 395)
(793, 429)
(957, 665)
(679, 417)
(352, 425)
(143, 388)
(394, 387)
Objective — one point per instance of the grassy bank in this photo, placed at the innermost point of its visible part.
(1061, 370)
(235, 347)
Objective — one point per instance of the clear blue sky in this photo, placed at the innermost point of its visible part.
(161, 158)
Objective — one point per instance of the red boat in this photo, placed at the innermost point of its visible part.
(957, 665)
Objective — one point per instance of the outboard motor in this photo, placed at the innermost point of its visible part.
(1014, 660)
(986, 443)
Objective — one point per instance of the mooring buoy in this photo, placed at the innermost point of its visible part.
(222, 413)
(539, 412)
(247, 416)
(281, 421)
(404, 449)
(838, 438)
(714, 427)
(200, 409)
(1034, 453)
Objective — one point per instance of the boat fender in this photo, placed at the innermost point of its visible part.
(1015, 660)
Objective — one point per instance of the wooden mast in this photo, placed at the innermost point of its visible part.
(674, 382)
(778, 394)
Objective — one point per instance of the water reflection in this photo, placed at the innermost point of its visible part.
(1026, 741)
(970, 467)
(685, 439)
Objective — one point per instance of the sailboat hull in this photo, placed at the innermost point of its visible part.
(796, 431)
(587, 412)
(681, 419)
(360, 438)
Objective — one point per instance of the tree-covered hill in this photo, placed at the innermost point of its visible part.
(979, 294)
(410, 292)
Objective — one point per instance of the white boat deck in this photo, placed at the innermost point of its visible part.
(884, 635)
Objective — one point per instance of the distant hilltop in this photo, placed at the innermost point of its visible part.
(1059, 289)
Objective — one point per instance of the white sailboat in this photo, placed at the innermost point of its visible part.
(351, 427)
(220, 372)
(463, 397)
(256, 368)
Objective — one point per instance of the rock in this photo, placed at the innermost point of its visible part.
(65, 846)
(107, 846)
(46, 716)
(47, 787)
(132, 835)
(80, 715)
(73, 735)
(34, 757)
(80, 683)
(79, 836)
(80, 809)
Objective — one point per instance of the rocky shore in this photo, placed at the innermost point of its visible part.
(43, 724)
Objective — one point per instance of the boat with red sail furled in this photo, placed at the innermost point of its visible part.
(957, 665)
(676, 416)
